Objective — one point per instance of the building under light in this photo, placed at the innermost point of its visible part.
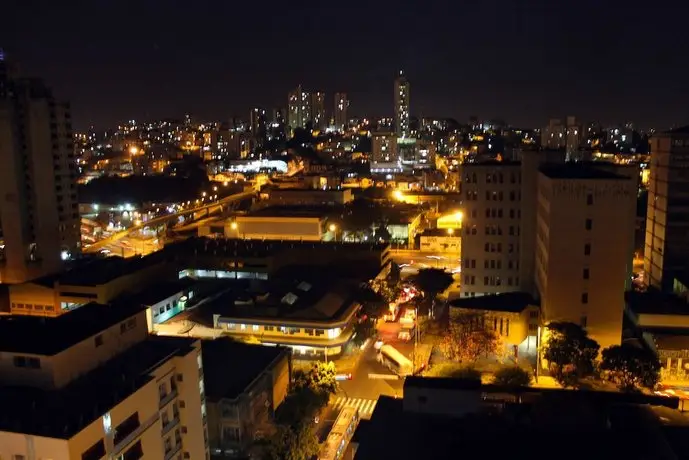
(402, 128)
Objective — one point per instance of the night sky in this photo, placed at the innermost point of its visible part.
(520, 60)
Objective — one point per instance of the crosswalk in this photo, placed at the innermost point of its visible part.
(365, 406)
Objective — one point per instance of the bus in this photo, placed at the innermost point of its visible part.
(395, 361)
(338, 439)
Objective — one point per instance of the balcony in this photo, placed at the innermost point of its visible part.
(165, 399)
(170, 425)
(173, 451)
(129, 438)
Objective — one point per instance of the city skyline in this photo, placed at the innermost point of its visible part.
(536, 57)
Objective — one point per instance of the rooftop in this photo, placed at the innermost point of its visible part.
(161, 291)
(285, 211)
(514, 302)
(603, 427)
(62, 413)
(313, 299)
(225, 380)
(49, 336)
(578, 171)
(100, 271)
(655, 302)
(235, 247)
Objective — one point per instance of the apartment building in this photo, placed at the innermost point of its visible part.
(93, 384)
(491, 197)
(242, 398)
(667, 226)
(584, 247)
(39, 216)
(508, 226)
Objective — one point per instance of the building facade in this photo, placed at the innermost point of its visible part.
(97, 386)
(584, 248)
(340, 112)
(402, 128)
(318, 119)
(384, 148)
(298, 109)
(667, 239)
(39, 216)
(491, 197)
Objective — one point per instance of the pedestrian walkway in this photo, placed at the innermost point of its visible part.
(365, 406)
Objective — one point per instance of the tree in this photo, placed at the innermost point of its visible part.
(382, 233)
(454, 370)
(301, 405)
(297, 442)
(469, 338)
(310, 393)
(570, 352)
(323, 377)
(512, 376)
(631, 367)
(432, 281)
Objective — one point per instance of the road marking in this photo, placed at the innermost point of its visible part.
(364, 406)
(383, 376)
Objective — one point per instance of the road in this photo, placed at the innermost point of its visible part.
(95, 247)
(410, 261)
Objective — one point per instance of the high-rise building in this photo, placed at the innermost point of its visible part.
(541, 226)
(298, 109)
(553, 135)
(93, 384)
(39, 211)
(574, 139)
(319, 120)
(667, 228)
(340, 112)
(258, 126)
(402, 128)
(584, 247)
(384, 148)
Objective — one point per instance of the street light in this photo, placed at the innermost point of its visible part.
(233, 225)
(332, 228)
(450, 231)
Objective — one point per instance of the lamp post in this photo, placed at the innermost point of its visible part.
(538, 352)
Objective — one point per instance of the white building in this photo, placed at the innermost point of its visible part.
(92, 384)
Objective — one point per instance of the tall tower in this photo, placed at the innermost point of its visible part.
(39, 211)
(258, 125)
(298, 109)
(340, 115)
(318, 110)
(402, 105)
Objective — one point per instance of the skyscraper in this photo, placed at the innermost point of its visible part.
(402, 105)
(298, 109)
(258, 126)
(340, 112)
(667, 228)
(39, 214)
(318, 110)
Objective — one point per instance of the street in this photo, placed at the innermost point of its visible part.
(411, 261)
